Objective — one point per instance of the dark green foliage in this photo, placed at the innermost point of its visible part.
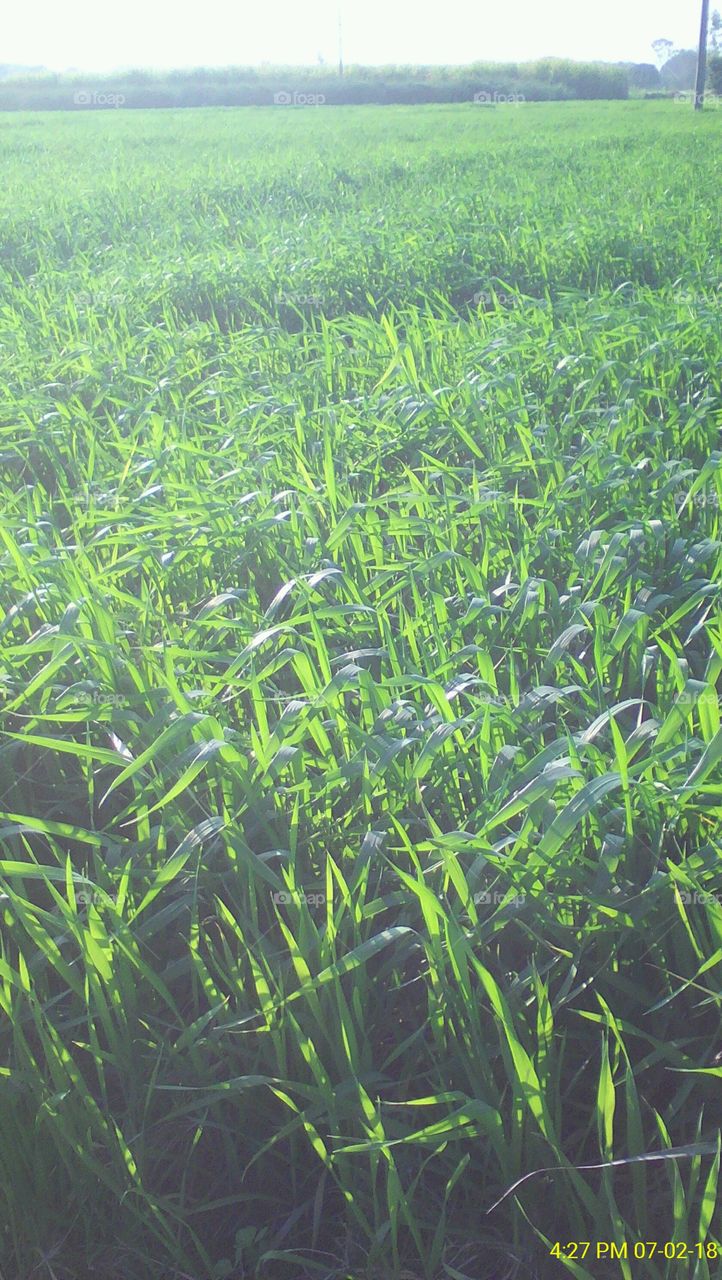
(714, 71)
(644, 75)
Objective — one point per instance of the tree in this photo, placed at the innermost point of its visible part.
(663, 50)
(715, 40)
(679, 71)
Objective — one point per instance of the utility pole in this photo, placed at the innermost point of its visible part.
(702, 58)
(340, 41)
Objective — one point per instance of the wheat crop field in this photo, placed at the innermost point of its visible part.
(360, 672)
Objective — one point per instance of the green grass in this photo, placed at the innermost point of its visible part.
(360, 769)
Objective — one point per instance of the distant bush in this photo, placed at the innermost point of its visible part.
(547, 80)
(644, 75)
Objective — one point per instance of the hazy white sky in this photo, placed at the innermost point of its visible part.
(102, 34)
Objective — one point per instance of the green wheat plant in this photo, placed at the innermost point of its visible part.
(360, 659)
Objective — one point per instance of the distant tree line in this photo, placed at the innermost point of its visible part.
(545, 80)
(678, 72)
(550, 79)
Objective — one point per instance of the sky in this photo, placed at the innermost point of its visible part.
(100, 35)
